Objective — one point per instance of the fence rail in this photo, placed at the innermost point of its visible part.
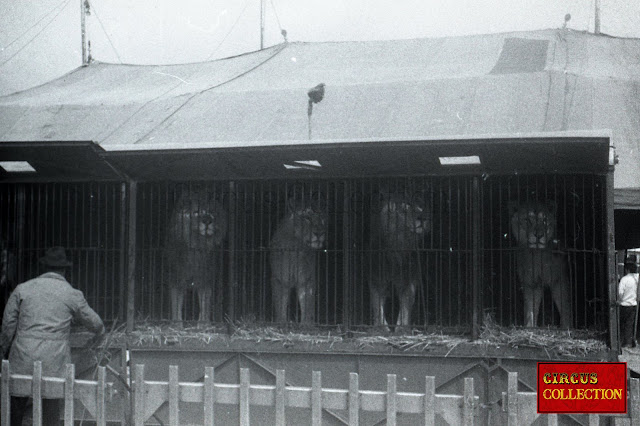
(455, 409)
(148, 396)
(94, 395)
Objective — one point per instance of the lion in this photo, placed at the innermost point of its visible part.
(534, 227)
(397, 226)
(293, 248)
(197, 229)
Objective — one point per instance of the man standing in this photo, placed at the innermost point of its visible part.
(36, 326)
(628, 301)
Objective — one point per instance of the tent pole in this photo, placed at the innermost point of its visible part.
(596, 25)
(262, 19)
(83, 33)
(612, 284)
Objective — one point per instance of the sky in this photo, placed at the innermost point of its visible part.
(40, 40)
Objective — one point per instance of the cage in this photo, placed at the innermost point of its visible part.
(379, 237)
(355, 257)
(85, 219)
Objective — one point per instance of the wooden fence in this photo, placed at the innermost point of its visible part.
(92, 394)
(149, 395)
(522, 407)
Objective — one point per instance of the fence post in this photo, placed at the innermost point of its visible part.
(391, 400)
(127, 395)
(174, 404)
(430, 401)
(354, 399)
(69, 384)
(5, 405)
(635, 401)
(316, 398)
(512, 399)
(138, 407)
(468, 411)
(36, 393)
(244, 397)
(209, 397)
(101, 417)
(280, 398)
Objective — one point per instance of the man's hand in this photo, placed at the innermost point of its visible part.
(5, 346)
(96, 340)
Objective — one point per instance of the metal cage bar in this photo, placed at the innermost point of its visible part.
(84, 218)
(355, 253)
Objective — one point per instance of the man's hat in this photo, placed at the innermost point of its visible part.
(56, 257)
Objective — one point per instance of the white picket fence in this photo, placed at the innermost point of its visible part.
(149, 395)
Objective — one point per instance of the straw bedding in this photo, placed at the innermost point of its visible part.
(570, 343)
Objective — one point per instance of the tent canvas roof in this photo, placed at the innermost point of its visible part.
(551, 82)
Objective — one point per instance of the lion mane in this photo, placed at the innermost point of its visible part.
(292, 258)
(196, 230)
(397, 225)
(534, 227)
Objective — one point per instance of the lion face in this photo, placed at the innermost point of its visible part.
(310, 226)
(404, 214)
(199, 221)
(533, 224)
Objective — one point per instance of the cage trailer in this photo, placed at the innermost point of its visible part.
(407, 251)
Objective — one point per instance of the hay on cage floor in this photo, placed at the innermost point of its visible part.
(564, 342)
